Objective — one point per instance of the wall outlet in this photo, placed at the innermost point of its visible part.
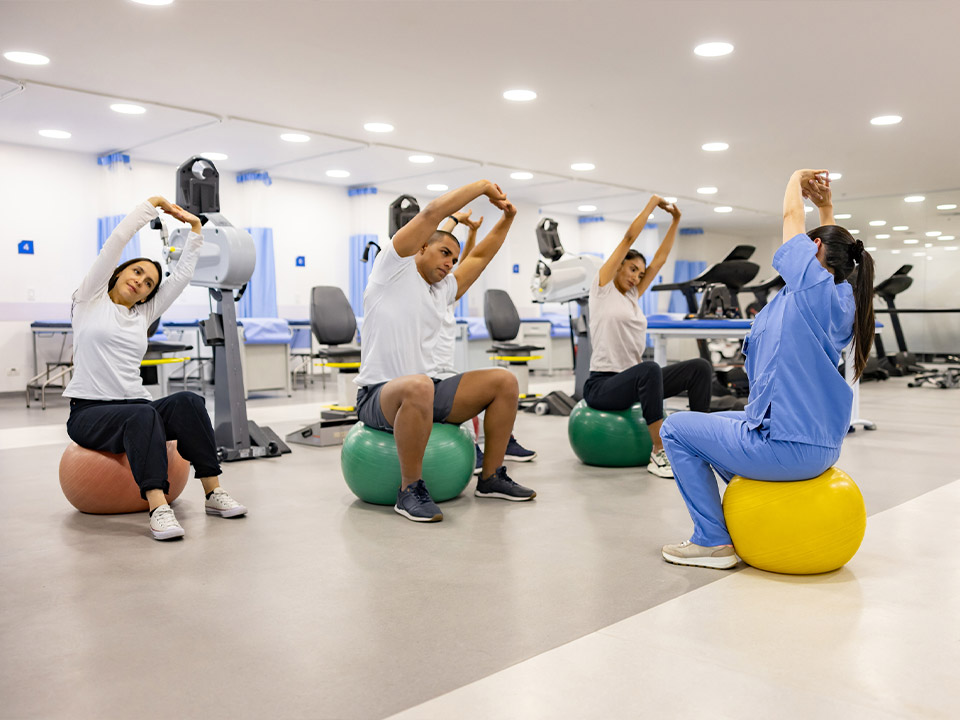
(13, 372)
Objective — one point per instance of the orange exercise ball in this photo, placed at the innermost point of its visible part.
(101, 483)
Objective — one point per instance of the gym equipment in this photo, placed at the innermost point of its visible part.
(797, 528)
(904, 362)
(719, 284)
(402, 210)
(335, 327)
(371, 467)
(761, 292)
(609, 438)
(566, 278)
(101, 483)
(503, 323)
(226, 263)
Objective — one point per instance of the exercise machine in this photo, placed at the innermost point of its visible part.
(226, 263)
(903, 362)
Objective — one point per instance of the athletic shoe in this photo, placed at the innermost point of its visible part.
(415, 504)
(164, 525)
(479, 467)
(659, 465)
(515, 451)
(219, 503)
(499, 485)
(721, 557)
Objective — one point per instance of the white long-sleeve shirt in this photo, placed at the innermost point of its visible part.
(110, 340)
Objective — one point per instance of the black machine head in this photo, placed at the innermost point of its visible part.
(740, 252)
(402, 210)
(548, 239)
(198, 186)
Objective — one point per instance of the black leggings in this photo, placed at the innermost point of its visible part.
(648, 384)
(141, 428)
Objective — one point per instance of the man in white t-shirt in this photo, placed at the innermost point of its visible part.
(409, 289)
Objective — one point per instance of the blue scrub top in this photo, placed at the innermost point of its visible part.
(793, 352)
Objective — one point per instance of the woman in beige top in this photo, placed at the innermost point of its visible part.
(618, 331)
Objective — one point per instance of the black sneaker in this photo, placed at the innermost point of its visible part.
(415, 504)
(479, 467)
(499, 485)
(516, 451)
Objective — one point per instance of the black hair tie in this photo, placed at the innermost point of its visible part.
(857, 253)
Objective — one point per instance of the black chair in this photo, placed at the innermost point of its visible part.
(503, 323)
(335, 326)
(156, 349)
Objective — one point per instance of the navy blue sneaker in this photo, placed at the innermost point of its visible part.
(479, 467)
(415, 504)
(499, 485)
(516, 451)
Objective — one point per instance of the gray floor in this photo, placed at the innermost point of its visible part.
(319, 606)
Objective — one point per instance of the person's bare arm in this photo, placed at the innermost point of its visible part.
(469, 270)
(660, 257)
(820, 194)
(609, 269)
(794, 222)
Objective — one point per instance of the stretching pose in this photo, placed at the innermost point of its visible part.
(409, 290)
(618, 332)
(109, 408)
(799, 409)
(448, 336)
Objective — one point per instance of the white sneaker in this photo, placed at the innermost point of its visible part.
(164, 525)
(659, 465)
(721, 557)
(219, 503)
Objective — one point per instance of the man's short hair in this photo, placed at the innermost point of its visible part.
(439, 235)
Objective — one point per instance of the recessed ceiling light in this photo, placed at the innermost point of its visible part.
(877, 223)
(835, 176)
(55, 134)
(952, 247)
(26, 58)
(910, 241)
(870, 249)
(338, 173)
(948, 206)
(670, 199)
(128, 109)
(520, 95)
(914, 198)
(723, 209)
(521, 175)
(928, 244)
(583, 166)
(894, 252)
(421, 159)
(437, 187)
(153, 2)
(919, 254)
(886, 120)
(214, 156)
(946, 237)
(713, 49)
(807, 208)
(714, 146)
(853, 232)
(586, 208)
(900, 228)
(378, 127)
(706, 190)
(295, 137)
(881, 237)
(934, 233)
(843, 216)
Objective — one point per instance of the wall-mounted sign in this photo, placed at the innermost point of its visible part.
(25, 247)
(301, 261)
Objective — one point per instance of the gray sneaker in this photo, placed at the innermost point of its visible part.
(415, 504)
(721, 557)
(499, 485)
(659, 465)
(164, 525)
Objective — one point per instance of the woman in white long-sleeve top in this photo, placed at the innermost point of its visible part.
(109, 408)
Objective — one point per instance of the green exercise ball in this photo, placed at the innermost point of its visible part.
(372, 469)
(609, 438)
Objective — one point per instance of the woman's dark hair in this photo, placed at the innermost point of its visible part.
(120, 268)
(633, 255)
(843, 254)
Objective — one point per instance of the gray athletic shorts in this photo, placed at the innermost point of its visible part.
(371, 414)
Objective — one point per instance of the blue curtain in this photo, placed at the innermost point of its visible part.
(684, 270)
(260, 298)
(105, 226)
(461, 309)
(359, 270)
(649, 302)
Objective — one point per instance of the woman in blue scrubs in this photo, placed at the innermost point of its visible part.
(799, 406)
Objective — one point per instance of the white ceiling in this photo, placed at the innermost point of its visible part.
(618, 86)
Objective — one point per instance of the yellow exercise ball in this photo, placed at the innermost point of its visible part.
(798, 528)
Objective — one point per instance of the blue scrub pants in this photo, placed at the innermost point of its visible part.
(696, 441)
